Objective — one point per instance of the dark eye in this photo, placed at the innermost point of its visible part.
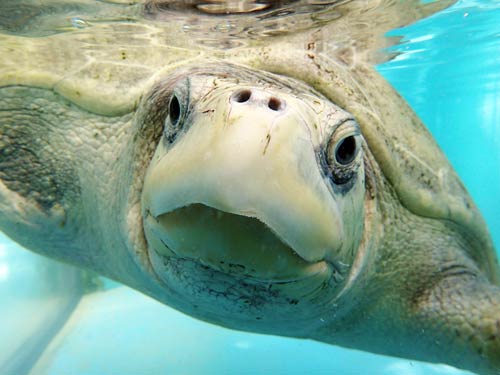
(346, 150)
(342, 156)
(174, 110)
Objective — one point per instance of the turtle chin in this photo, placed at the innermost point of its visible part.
(233, 266)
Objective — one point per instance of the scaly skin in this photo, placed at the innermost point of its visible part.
(473, 305)
(419, 296)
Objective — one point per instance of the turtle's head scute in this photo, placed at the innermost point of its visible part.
(255, 180)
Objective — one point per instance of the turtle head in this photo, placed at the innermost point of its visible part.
(253, 202)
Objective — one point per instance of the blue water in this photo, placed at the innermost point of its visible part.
(448, 70)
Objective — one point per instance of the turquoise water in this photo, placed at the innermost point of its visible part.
(448, 70)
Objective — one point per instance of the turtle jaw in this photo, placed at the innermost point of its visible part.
(232, 270)
(236, 245)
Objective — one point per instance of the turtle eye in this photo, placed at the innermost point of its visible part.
(174, 110)
(346, 150)
(174, 122)
(342, 153)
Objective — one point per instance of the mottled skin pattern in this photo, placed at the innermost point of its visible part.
(79, 129)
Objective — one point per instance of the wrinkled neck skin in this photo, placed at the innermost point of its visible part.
(418, 295)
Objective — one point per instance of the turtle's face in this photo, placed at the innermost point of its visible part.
(253, 201)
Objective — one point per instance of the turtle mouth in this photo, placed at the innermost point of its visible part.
(234, 244)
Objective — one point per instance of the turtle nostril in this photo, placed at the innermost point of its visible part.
(275, 104)
(242, 96)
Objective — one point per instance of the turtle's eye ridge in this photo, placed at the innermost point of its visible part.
(174, 110)
(346, 150)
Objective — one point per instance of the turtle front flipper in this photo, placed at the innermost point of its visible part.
(52, 154)
(37, 176)
(462, 312)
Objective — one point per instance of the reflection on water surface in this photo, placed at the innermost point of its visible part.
(214, 24)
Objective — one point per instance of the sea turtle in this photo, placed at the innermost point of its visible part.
(279, 187)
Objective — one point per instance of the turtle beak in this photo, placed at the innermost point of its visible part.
(250, 153)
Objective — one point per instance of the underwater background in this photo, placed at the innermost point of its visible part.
(446, 66)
